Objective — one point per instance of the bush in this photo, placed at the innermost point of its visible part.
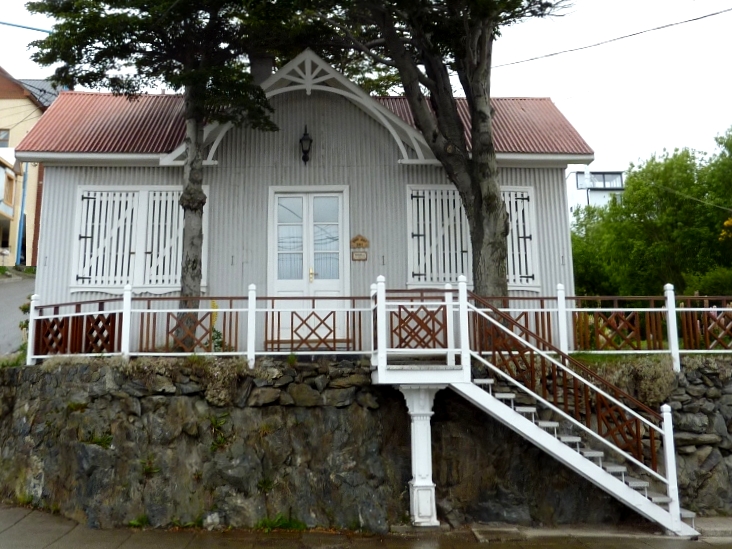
(716, 282)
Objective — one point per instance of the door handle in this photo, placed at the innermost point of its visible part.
(312, 274)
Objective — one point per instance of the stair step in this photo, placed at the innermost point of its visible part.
(592, 454)
(526, 409)
(483, 381)
(688, 515)
(637, 484)
(569, 439)
(505, 396)
(615, 469)
(657, 498)
(548, 424)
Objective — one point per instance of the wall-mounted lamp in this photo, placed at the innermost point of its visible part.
(305, 143)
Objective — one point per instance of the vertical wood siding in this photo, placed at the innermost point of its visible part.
(349, 148)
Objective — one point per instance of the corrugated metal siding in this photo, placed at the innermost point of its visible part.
(58, 215)
(350, 149)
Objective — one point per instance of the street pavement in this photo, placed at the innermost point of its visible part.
(23, 528)
(13, 293)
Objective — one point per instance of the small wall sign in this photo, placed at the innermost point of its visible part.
(359, 248)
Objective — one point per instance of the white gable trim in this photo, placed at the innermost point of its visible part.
(308, 73)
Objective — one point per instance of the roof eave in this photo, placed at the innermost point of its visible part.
(523, 160)
(89, 159)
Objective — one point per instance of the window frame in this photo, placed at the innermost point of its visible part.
(141, 239)
(5, 139)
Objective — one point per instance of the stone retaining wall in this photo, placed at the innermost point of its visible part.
(190, 442)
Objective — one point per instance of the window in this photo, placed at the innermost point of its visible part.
(129, 236)
(440, 248)
(9, 188)
(4, 138)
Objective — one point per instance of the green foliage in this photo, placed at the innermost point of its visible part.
(265, 485)
(291, 359)
(220, 440)
(716, 282)
(148, 466)
(140, 522)
(16, 359)
(280, 522)
(104, 440)
(76, 406)
(665, 228)
(3, 270)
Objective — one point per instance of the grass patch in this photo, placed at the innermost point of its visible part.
(280, 522)
(76, 406)
(104, 440)
(148, 466)
(140, 522)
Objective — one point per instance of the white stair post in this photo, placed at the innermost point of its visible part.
(251, 325)
(464, 328)
(372, 295)
(673, 334)
(562, 319)
(450, 325)
(29, 358)
(381, 325)
(422, 506)
(669, 454)
(126, 321)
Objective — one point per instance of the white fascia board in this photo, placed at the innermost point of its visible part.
(90, 159)
(519, 160)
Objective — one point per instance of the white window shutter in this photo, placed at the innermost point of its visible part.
(521, 249)
(440, 238)
(440, 248)
(106, 255)
(163, 239)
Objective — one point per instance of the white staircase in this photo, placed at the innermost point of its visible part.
(533, 378)
(587, 462)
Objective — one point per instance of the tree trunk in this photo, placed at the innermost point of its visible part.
(192, 200)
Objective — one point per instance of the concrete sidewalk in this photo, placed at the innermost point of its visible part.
(22, 528)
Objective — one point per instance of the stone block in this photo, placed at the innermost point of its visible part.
(261, 396)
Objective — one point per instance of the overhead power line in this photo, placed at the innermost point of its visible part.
(24, 27)
(614, 39)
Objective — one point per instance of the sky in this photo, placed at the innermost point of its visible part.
(629, 99)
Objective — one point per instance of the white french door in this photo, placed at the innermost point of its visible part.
(307, 254)
(307, 262)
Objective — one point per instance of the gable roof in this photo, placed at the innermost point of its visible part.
(39, 92)
(87, 122)
(88, 125)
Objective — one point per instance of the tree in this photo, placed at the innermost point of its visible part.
(199, 46)
(668, 226)
(427, 41)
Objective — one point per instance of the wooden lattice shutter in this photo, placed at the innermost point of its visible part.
(106, 255)
(440, 250)
(521, 250)
(163, 239)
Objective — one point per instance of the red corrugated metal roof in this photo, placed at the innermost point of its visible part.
(82, 122)
(531, 125)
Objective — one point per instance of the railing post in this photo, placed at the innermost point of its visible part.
(251, 325)
(464, 327)
(450, 325)
(669, 454)
(381, 343)
(673, 333)
(126, 321)
(374, 358)
(30, 348)
(562, 319)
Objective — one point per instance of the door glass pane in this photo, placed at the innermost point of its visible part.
(289, 266)
(289, 209)
(326, 266)
(325, 238)
(325, 209)
(289, 238)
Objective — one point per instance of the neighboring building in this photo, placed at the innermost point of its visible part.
(600, 187)
(372, 200)
(9, 204)
(22, 102)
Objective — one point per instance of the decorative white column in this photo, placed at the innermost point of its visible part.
(673, 334)
(422, 506)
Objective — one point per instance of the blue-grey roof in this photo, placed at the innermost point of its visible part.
(42, 90)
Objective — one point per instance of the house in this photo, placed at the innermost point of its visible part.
(298, 225)
(371, 200)
(22, 102)
(9, 204)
